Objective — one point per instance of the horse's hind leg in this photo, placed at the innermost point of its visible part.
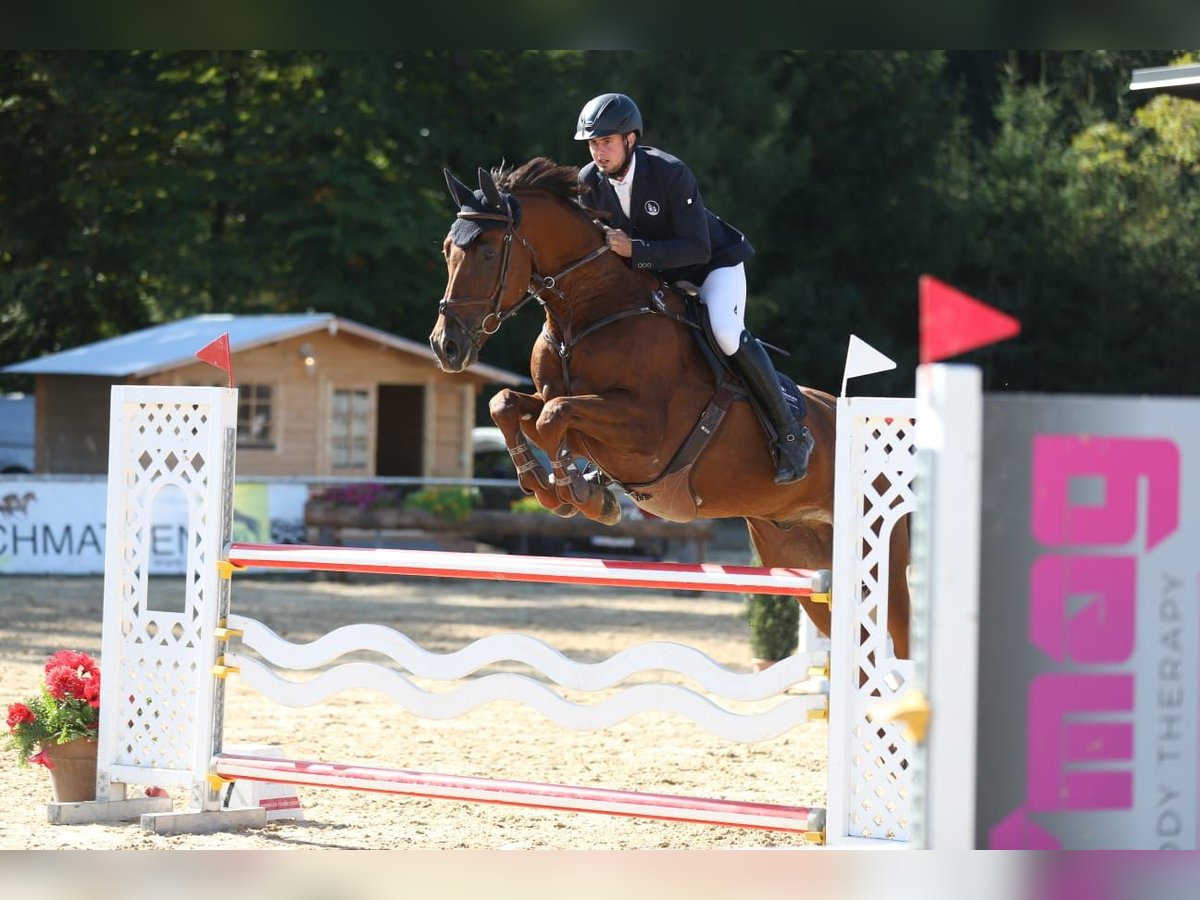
(899, 603)
(802, 546)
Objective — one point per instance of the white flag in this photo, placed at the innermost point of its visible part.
(863, 359)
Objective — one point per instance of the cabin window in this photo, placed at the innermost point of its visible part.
(255, 426)
(350, 429)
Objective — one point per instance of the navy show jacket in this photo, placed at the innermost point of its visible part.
(672, 231)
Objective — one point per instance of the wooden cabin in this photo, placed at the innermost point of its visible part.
(317, 395)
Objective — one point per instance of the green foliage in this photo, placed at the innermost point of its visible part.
(529, 506)
(774, 623)
(1093, 246)
(451, 503)
(138, 187)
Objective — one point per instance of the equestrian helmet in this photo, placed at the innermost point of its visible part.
(608, 114)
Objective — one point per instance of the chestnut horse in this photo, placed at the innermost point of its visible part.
(620, 380)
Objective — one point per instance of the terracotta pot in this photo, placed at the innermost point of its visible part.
(73, 772)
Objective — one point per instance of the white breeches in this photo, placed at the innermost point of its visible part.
(724, 293)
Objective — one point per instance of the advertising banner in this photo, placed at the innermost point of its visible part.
(51, 527)
(1089, 624)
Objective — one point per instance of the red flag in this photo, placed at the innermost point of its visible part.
(953, 323)
(217, 354)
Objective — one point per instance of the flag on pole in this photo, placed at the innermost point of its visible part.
(863, 359)
(217, 354)
(953, 323)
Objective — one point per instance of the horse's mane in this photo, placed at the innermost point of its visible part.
(543, 174)
(540, 174)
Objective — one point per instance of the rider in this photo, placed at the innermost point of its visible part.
(661, 224)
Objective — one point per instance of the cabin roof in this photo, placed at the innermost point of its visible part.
(174, 344)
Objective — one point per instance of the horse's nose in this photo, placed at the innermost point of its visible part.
(446, 350)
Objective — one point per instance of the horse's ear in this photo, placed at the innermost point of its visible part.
(491, 193)
(459, 192)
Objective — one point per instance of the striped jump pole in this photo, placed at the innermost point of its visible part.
(543, 569)
(565, 798)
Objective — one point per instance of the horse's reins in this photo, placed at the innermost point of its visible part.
(539, 283)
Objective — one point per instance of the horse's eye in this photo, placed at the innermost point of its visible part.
(489, 253)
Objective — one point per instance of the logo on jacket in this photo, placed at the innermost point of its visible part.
(652, 207)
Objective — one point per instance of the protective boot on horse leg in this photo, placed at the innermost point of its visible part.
(724, 295)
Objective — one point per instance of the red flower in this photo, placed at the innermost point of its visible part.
(19, 713)
(73, 659)
(64, 683)
(91, 691)
(42, 759)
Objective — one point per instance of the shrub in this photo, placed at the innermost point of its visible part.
(774, 623)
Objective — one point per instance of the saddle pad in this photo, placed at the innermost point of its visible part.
(794, 396)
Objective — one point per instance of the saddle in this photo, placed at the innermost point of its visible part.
(671, 496)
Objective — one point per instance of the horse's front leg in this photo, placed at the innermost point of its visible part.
(508, 408)
(617, 421)
(587, 496)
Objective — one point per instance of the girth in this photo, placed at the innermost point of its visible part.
(671, 496)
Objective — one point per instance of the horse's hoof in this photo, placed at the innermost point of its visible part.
(610, 510)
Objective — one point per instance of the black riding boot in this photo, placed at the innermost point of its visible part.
(794, 442)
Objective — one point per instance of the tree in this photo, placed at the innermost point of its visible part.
(138, 187)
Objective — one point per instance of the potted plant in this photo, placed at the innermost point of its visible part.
(57, 728)
(774, 625)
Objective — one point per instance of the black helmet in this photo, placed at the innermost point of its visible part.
(608, 114)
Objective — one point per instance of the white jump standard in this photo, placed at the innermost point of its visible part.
(163, 694)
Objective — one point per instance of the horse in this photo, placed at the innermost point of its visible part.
(620, 380)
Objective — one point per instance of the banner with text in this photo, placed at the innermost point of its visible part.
(57, 527)
(1089, 623)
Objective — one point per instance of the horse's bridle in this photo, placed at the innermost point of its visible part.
(537, 282)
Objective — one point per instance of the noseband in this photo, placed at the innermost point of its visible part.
(538, 283)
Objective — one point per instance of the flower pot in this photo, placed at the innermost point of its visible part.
(72, 770)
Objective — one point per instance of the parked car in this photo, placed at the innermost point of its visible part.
(492, 461)
(16, 434)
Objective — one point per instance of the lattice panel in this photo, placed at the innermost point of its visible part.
(159, 708)
(881, 795)
(164, 453)
(873, 763)
(158, 689)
